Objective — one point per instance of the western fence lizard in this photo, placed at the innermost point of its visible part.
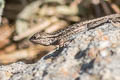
(63, 36)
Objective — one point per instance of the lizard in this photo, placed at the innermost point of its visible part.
(63, 36)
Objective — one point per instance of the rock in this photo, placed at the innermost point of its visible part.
(92, 55)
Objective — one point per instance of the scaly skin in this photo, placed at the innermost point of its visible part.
(65, 35)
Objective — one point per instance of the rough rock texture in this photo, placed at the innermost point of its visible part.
(92, 55)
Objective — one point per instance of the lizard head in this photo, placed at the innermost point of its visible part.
(44, 39)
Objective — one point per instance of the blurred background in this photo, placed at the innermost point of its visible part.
(22, 18)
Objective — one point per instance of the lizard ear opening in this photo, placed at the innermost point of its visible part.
(56, 42)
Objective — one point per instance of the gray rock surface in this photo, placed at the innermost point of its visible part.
(92, 55)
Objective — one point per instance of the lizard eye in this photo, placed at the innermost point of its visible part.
(32, 38)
